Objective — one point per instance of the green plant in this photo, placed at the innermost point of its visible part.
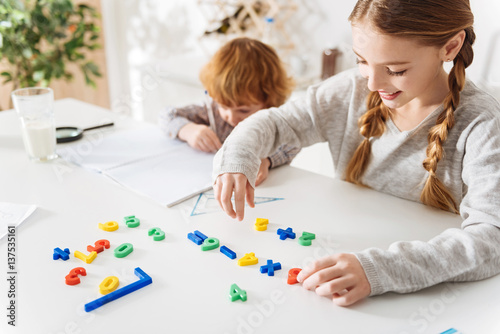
(39, 37)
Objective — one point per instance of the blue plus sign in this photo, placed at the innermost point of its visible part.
(270, 267)
(61, 254)
(288, 233)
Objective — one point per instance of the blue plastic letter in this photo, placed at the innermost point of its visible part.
(144, 279)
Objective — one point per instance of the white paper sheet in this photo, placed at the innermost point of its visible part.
(144, 160)
(98, 152)
(13, 215)
(169, 178)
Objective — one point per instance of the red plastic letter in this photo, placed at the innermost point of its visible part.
(72, 278)
(292, 275)
(99, 246)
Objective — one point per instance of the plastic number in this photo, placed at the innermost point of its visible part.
(109, 284)
(72, 278)
(261, 224)
(131, 221)
(123, 250)
(99, 246)
(306, 238)
(109, 226)
(157, 233)
(248, 259)
(292, 275)
(237, 293)
(209, 244)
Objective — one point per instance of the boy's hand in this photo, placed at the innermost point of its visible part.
(263, 171)
(223, 191)
(200, 136)
(340, 276)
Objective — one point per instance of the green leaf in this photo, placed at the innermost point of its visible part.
(59, 69)
(40, 37)
(93, 68)
(38, 76)
(7, 75)
(18, 16)
(27, 53)
(78, 56)
(60, 35)
(94, 46)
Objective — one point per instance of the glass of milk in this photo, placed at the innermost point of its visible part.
(35, 109)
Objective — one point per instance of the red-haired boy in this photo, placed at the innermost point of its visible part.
(243, 77)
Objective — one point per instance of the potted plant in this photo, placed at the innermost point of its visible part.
(39, 37)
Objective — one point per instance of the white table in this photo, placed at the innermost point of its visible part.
(190, 288)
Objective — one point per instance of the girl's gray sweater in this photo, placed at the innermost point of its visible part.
(470, 169)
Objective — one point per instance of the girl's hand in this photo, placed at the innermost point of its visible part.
(200, 136)
(340, 276)
(263, 171)
(223, 191)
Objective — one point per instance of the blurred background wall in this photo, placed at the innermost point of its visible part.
(154, 49)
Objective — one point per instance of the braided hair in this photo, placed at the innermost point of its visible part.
(420, 21)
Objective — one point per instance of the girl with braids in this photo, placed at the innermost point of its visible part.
(400, 125)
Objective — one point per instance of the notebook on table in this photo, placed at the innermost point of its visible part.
(144, 160)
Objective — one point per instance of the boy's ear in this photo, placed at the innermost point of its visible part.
(453, 46)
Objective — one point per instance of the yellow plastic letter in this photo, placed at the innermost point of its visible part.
(87, 259)
(108, 285)
(261, 224)
(109, 226)
(248, 260)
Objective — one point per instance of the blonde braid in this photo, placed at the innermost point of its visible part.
(371, 124)
(435, 192)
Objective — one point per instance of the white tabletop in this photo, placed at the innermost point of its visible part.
(190, 288)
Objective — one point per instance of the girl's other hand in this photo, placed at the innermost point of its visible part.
(263, 171)
(340, 276)
(200, 137)
(223, 191)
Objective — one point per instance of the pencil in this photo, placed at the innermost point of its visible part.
(210, 112)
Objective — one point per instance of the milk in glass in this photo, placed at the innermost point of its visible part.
(38, 138)
(35, 109)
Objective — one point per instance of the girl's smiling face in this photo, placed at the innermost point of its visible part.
(404, 73)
